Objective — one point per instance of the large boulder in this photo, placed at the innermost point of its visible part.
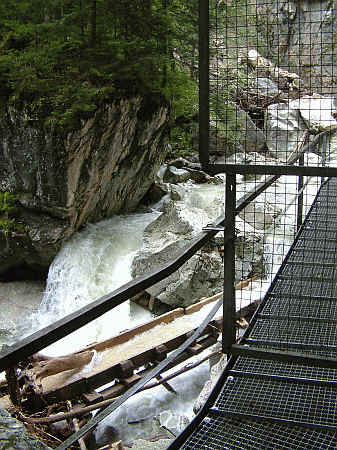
(200, 276)
(284, 129)
(316, 111)
(62, 180)
(167, 236)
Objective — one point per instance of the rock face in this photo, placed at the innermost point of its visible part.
(13, 435)
(64, 181)
(302, 26)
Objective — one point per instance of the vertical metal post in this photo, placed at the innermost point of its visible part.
(300, 196)
(228, 325)
(204, 82)
(324, 155)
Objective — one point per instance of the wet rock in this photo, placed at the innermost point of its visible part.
(284, 129)
(106, 435)
(249, 252)
(266, 87)
(215, 372)
(316, 112)
(252, 138)
(155, 193)
(141, 444)
(172, 421)
(174, 175)
(177, 193)
(14, 436)
(167, 236)
(181, 163)
(260, 215)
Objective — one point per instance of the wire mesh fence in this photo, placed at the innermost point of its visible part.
(272, 111)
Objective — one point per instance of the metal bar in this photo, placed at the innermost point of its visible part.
(324, 142)
(228, 326)
(304, 296)
(204, 82)
(298, 318)
(158, 369)
(289, 344)
(268, 376)
(271, 170)
(220, 412)
(300, 196)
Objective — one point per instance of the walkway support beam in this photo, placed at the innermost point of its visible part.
(204, 82)
(228, 331)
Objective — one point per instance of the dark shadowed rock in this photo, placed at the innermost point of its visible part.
(14, 436)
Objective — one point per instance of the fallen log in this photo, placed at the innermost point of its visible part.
(44, 368)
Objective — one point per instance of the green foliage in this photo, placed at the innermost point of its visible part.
(64, 58)
(8, 211)
(7, 204)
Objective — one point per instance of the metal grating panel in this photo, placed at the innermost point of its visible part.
(220, 433)
(301, 307)
(308, 272)
(265, 367)
(279, 399)
(295, 332)
(316, 244)
(295, 287)
(317, 257)
(286, 346)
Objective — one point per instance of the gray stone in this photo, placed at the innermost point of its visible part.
(316, 112)
(177, 193)
(215, 372)
(174, 175)
(266, 87)
(260, 215)
(173, 421)
(167, 236)
(252, 138)
(200, 276)
(141, 444)
(14, 436)
(284, 129)
(180, 220)
(249, 252)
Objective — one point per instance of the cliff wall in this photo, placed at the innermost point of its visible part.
(61, 181)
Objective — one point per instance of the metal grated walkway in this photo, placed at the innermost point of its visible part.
(270, 404)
